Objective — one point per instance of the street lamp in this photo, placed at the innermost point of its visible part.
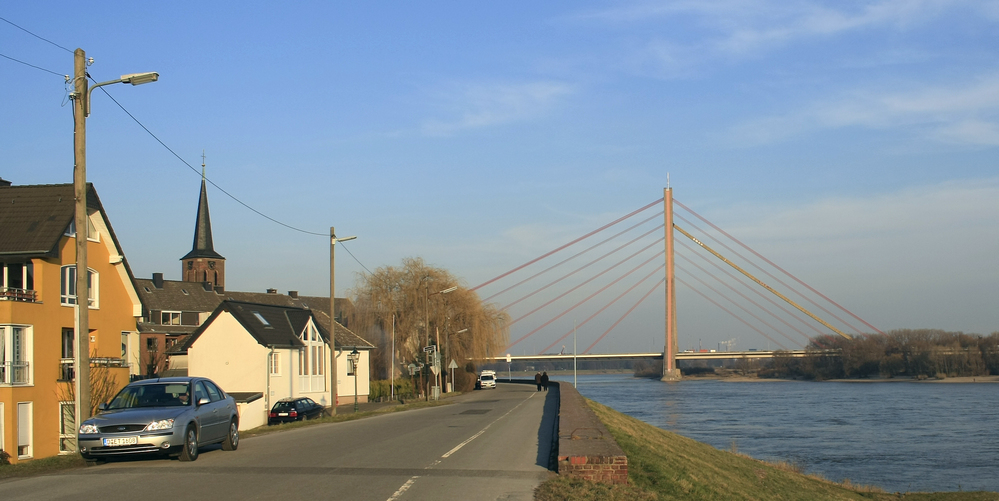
(81, 109)
(353, 357)
(447, 348)
(427, 313)
(335, 375)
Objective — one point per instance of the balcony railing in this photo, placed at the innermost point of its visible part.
(67, 366)
(14, 373)
(12, 294)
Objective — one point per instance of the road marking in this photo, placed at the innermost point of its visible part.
(473, 437)
(405, 487)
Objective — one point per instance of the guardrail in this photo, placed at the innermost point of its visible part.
(14, 294)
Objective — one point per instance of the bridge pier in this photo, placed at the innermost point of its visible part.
(670, 371)
(671, 375)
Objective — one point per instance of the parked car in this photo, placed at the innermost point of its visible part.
(487, 379)
(159, 416)
(291, 409)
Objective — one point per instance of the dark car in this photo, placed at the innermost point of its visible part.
(291, 409)
(162, 416)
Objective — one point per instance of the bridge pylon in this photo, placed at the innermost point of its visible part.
(670, 371)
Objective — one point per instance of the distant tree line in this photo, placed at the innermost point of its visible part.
(904, 352)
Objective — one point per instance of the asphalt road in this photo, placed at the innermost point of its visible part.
(484, 446)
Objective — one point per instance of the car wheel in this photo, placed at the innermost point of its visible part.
(190, 450)
(232, 438)
(305, 417)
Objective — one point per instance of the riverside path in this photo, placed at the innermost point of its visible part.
(483, 446)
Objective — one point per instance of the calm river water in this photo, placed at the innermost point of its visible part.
(900, 436)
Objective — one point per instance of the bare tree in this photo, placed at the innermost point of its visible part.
(469, 329)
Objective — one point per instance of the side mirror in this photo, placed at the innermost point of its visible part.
(102, 407)
(203, 401)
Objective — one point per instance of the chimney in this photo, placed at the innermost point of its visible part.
(158, 280)
(272, 291)
(208, 286)
(219, 289)
(293, 294)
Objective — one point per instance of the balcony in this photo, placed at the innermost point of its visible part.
(14, 373)
(67, 366)
(14, 294)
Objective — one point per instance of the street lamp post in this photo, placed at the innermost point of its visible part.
(353, 357)
(334, 394)
(81, 109)
(427, 318)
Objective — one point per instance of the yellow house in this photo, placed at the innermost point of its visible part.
(37, 316)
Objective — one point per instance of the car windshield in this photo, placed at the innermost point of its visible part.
(152, 395)
(487, 378)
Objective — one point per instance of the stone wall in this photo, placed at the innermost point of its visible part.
(585, 448)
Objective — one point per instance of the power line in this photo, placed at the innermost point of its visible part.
(244, 204)
(34, 35)
(33, 66)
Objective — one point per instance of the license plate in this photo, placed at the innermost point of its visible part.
(282, 414)
(115, 442)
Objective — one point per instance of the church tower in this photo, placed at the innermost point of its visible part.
(203, 264)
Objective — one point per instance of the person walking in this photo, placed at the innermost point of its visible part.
(544, 380)
(537, 380)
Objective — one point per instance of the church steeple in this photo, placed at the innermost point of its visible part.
(203, 264)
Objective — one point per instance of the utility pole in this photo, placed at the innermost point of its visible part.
(335, 374)
(82, 361)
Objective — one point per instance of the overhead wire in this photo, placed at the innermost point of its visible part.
(230, 195)
(33, 66)
(34, 35)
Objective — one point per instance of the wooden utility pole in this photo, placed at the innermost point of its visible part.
(670, 372)
(82, 362)
(334, 375)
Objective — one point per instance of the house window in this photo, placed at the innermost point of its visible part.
(67, 289)
(67, 363)
(15, 354)
(311, 360)
(91, 230)
(261, 318)
(67, 427)
(170, 318)
(274, 364)
(17, 281)
(24, 430)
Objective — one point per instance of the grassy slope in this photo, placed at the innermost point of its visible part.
(664, 465)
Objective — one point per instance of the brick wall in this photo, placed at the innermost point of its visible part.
(585, 448)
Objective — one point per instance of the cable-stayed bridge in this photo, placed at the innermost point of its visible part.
(621, 281)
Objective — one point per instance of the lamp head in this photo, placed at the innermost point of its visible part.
(140, 78)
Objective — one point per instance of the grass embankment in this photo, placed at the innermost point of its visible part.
(666, 466)
(56, 464)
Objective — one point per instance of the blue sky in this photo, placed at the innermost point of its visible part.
(855, 144)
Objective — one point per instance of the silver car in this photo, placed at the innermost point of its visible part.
(160, 416)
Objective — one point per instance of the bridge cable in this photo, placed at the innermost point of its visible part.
(594, 246)
(594, 277)
(591, 317)
(765, 286)
(753, 289)
(587, 265)
(640, 301)
(726, 310)
(591, 296)
(688, 209)
(604, 227)
(767, 273)
(743, 308)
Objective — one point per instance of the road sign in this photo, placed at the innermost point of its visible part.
(434, 369)
(430, 348)
(453, 365)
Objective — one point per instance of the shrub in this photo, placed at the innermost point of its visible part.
(4, 457)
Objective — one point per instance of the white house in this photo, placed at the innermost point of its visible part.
(279, 351)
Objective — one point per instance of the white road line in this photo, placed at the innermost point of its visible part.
(459, 446)
(405, 487)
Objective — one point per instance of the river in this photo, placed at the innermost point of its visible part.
(900, 436)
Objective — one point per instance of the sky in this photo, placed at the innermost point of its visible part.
(853, 143)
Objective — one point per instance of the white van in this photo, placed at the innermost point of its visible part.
(487, 379)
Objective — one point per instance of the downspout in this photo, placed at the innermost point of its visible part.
(267, 396)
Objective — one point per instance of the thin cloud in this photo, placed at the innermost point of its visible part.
(479, 106)
(965, 113)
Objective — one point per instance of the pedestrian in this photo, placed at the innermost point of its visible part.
(544, 380)
(537, 380)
